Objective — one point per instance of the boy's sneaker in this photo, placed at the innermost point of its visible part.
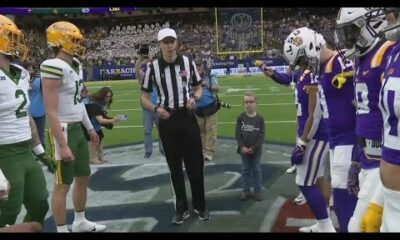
(203, 215)
(87, 226)
(147, 155)
(299, 200)
(244, 196)
(258, 196)
(179, 218)
(291, 170)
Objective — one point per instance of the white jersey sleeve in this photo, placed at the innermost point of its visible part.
(69, 101)
(14, 103)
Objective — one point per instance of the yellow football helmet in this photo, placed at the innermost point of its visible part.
(12, 41)
(67, 37)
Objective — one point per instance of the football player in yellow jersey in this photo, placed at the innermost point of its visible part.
(62, 83)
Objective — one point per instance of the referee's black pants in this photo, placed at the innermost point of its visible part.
(180, 136)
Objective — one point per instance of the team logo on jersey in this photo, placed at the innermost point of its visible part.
(297, 41)
(390, 71)
(365, 72)
(2, 78)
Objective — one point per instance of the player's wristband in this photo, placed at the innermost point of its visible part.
(301, 142)
(38, 149)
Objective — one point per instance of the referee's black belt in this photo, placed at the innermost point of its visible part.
(176, 110)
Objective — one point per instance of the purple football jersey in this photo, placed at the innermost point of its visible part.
(389, 104)
(339, 112)
(303, 81)
(367, 78)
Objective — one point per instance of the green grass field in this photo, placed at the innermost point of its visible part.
(275, 103)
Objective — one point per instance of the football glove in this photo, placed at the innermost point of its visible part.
(48, 161)
(298, 152)
(372, 219)
(352, 178)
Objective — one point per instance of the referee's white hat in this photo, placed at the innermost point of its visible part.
(166, 32)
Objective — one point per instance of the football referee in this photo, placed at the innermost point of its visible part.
(172, 74)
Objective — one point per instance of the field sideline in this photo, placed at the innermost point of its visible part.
(275, 103)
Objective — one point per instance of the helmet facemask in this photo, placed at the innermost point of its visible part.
(13, 44)
(392, 31)
(354, 33)
(346, 37)
(77, 46)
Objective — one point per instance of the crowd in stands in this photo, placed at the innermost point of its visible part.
(118, 40)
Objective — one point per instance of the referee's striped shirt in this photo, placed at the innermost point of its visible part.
(172, 81)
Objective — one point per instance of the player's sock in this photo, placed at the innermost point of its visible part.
(315, 200)
(79, 216)
(344, 205)
(62, 228)
(325, 225)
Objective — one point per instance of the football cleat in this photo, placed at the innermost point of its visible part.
(291, 170)
(299, 200)
(309, 229)
(87, 226)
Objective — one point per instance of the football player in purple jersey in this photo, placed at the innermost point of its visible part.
(369, 54)
(389, 103)
(311, 151)
(336, 93)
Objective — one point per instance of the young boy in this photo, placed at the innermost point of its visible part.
(250, 130)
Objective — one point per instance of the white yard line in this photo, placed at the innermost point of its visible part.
(259, 94)
(219, 123)
(233, 105)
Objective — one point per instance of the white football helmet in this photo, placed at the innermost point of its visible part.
(353, 32)
(392, 14)
(302, 48)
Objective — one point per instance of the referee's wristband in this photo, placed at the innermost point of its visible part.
(155, 108)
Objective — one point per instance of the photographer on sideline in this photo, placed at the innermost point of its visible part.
(206, 110)
(96, 105)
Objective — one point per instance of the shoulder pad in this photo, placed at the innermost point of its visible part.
(378, 56)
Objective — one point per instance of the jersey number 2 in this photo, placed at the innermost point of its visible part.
(20, 112)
